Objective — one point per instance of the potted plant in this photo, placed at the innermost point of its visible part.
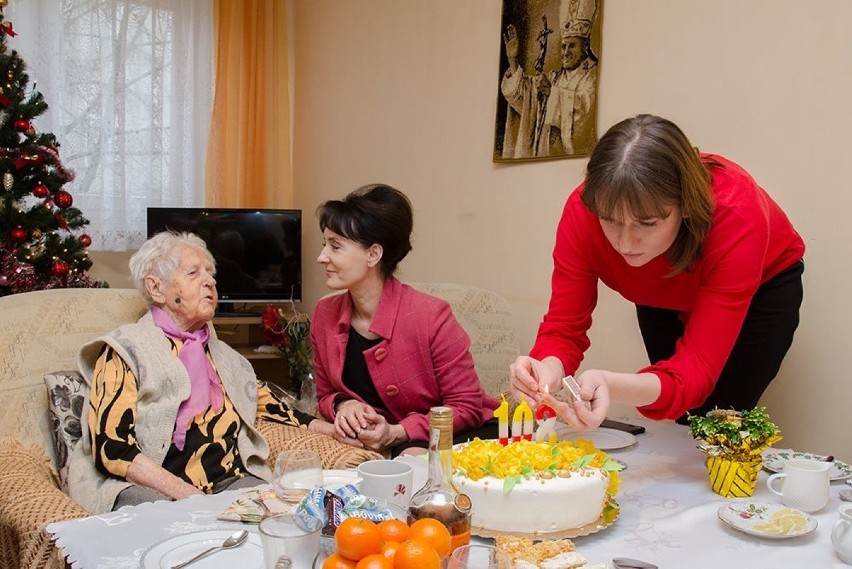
(733, 442)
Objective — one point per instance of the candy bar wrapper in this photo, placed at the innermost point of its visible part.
(327, 509)
(246, 509)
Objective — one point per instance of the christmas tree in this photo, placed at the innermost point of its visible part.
(41, 242)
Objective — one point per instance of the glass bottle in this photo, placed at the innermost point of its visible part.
(439, 498)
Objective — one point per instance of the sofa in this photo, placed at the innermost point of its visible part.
(42, 331)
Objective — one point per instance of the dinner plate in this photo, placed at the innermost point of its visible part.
(180, 548)
(765, 519)
(602, 438)
(335, 478)
(774, 459)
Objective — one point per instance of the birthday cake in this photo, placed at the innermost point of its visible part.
(536, 487)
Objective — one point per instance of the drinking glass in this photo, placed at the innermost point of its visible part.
(283, 537)
(475, 556)
(296, 473)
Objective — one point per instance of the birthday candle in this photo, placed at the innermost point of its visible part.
(522, 422)
(502, 414)
(544, 411)
(546, 417)
(546, 430)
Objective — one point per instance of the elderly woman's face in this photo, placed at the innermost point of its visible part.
(189, 293)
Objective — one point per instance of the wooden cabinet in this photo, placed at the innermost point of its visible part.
(244, 334)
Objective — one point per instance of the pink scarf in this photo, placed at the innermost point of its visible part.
(205, 385)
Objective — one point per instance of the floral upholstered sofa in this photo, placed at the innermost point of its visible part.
(41, 398)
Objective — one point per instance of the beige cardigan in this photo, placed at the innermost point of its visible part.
(163, 384)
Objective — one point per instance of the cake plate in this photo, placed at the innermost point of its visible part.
(590, 528)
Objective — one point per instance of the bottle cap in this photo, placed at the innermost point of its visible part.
(441, 420)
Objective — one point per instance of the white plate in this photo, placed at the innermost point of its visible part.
(774, 459)
(180, 548)
(602, 438)
(763, 519)
(335, 478)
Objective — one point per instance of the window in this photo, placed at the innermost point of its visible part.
(130, 87)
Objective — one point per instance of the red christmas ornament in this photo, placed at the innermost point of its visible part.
(4, 280)
(63, 199)
(59, 268)
(85, 240)
(22, 125)
(63, 224)
(18, 235)
(40, 191)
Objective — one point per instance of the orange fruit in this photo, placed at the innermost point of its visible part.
(393, 530)
(337, 561)
(416, 554)
(389, 549)
(433, 532)
(375, 561)
(357, 538)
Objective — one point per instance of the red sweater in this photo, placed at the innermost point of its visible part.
(750, 241)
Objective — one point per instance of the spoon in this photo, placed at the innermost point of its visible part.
(234, 540)
(627, 563)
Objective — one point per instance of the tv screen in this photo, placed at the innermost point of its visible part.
(258, 252)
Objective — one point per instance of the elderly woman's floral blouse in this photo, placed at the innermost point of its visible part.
(210, 454)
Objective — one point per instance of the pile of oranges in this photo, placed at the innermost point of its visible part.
(391, 544)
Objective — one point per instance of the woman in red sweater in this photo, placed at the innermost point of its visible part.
(711, 262)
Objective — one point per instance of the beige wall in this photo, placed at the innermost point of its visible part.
(405, 93)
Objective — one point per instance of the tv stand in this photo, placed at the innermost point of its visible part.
(242, 331)
(230, 310)
(235, 314)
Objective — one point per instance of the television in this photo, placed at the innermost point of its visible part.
(258, 252)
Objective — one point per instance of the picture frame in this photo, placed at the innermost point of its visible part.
(547, 102)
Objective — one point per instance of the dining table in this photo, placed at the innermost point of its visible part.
(668, 516)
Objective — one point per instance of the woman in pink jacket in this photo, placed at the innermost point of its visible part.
(384, 353)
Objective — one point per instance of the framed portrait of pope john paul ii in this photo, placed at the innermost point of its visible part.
(548, 85)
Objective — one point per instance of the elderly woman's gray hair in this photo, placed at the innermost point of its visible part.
(160, 256)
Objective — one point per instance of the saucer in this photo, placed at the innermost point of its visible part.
(765, 519)
(774, 459)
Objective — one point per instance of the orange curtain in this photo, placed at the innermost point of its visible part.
(248, 157)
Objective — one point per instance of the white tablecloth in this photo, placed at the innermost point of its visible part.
(668, 516)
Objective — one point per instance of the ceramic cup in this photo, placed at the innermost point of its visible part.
(281, 537)
(841, 534)
(389, 480)
(804, 484)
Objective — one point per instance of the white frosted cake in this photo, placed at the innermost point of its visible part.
(535, 488)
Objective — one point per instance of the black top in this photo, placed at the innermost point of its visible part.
(356, 376)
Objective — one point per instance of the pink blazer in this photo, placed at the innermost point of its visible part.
(422, 361)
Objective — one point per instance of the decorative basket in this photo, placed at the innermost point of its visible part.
(732, 478)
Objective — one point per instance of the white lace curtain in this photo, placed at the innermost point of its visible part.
(130, 88)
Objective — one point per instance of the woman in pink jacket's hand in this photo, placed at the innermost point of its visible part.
(385, 353)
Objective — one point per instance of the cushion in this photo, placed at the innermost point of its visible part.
(66, 394)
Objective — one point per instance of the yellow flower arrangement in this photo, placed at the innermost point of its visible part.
(525, 459)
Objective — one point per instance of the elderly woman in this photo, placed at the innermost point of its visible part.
(172, 409)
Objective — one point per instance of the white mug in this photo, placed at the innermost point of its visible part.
(390, 480)
(804, 484)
